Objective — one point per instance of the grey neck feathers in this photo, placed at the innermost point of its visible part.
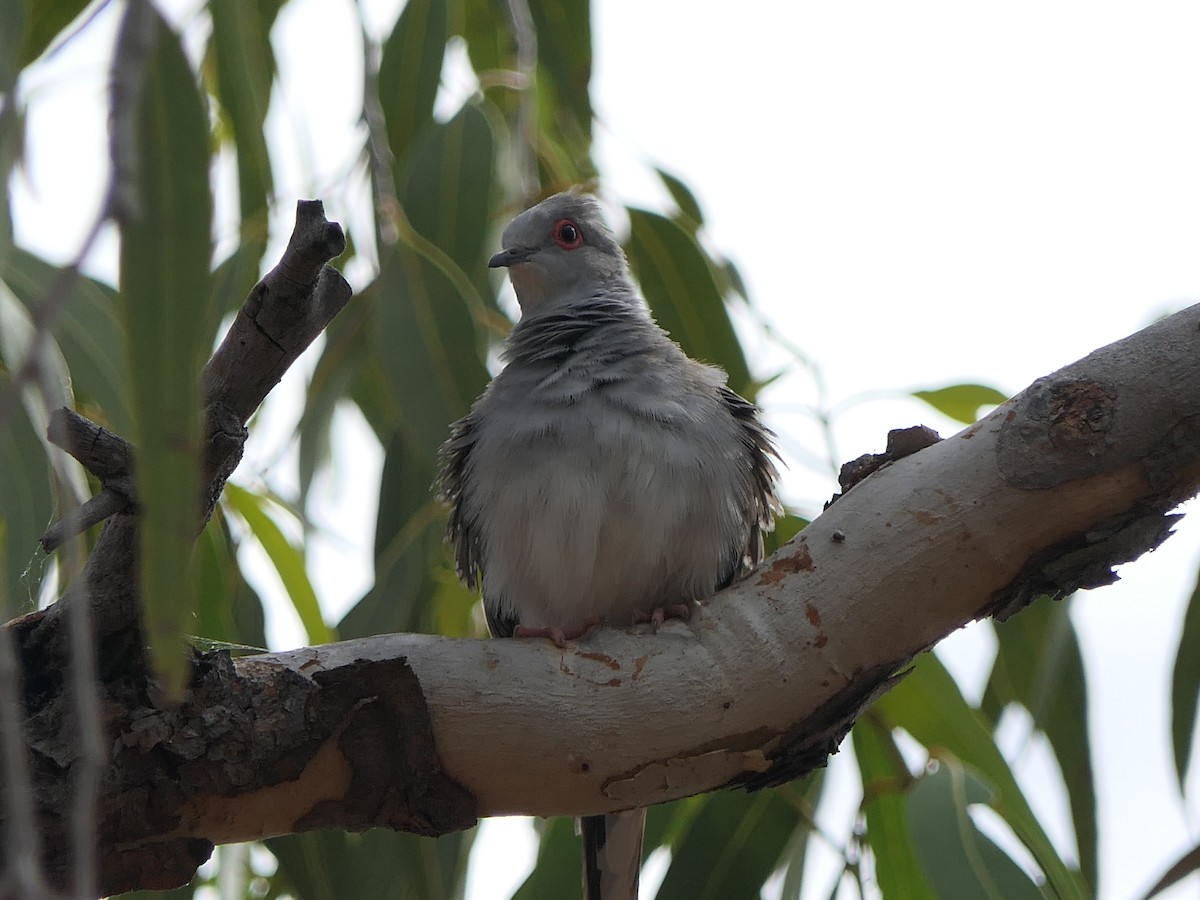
(609, 323)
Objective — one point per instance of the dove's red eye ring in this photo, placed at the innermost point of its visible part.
(567, 234)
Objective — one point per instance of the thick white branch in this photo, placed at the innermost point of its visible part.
(1045, 494)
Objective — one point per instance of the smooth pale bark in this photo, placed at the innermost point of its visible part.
(1075, 475)
(1044, 495)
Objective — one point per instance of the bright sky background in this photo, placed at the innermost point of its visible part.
(917, 195)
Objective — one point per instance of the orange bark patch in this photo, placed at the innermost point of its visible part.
(603, 658)
(800, 561)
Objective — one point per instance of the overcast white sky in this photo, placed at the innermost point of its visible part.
(917, 194)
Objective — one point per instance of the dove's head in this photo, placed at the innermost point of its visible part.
(560, 251)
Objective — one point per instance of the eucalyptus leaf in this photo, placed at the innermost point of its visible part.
(1039, 665)
(1185, 688)
(930, 707)
(679, 285)
(165, 253)
(957, 858)
(961, 402)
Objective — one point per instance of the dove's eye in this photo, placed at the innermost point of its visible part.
(567, 234)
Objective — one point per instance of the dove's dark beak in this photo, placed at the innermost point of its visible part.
(511, 257)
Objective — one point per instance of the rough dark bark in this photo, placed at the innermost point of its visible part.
(284, 313)
(423, 733)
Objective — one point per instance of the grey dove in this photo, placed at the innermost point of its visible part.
(603, 473)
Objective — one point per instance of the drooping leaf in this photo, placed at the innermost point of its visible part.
(1186, 865)
(287, 559)
(684, 199)
(408, 542)
(227, 609)
(244, 64)
(885, 783)
(486, 28)
(564, 44)
(410, 71)
(930, 707)
(1185, 688)
(732, 845)
(446, 190)
(957, 859)
(961, 402)
(805, 795)
(29, 416)
(46, 20)
(27, 504)
(88, 332)
(557, 871)
(165, 252)
(374, 865)
(678, 282)
(1039, 665)
(346, 351)
(428, 344)
(13, 19)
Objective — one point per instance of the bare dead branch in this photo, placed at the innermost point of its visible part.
(59, 648)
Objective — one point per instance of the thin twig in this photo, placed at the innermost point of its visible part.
(379, 152)
(525, 150)
(95, 510)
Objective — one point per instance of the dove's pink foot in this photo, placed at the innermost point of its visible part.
(661, 614)
(560, 636)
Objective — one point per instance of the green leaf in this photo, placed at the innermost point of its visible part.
(165, 252)
(557, 871)
(930, 707)
(675, 275)
(88, 332)
(228, 611)
(733, 844)
(29, 422)
(446, 189)
(12, 28)
(428, 343)
(564, 45)
(27, 504)
(961, 402)
(287, 559)
(1039, 665)
(957, 858)
(245, 69)
(410, 71)
(1185, 688)
(374, 865)
(47, 19)
(787, 526)
(885, 783)
(408, 543)
(347, 347)
(684, 199)
(487, 29)
(806, 796)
